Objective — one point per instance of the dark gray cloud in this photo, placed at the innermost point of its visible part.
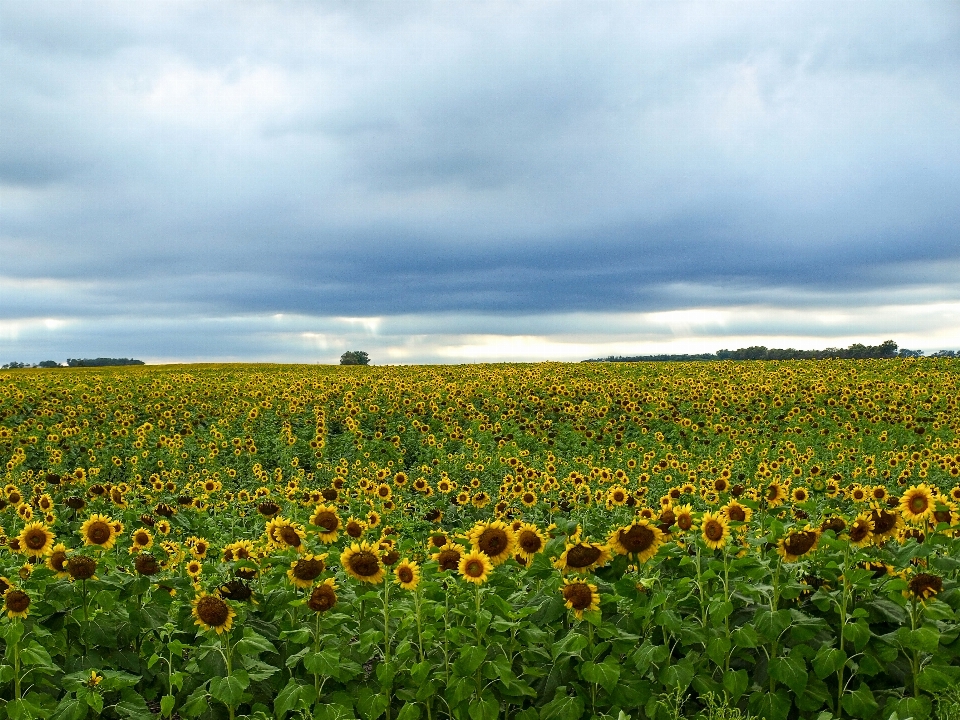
(170, 161)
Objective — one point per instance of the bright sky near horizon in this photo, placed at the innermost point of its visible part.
(476, 181)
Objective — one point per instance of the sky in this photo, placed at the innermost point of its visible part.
(455, 182)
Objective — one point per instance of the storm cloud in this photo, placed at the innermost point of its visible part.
(443, 181)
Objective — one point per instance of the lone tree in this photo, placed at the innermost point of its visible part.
(355, 357)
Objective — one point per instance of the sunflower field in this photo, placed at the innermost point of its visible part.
(528, 542)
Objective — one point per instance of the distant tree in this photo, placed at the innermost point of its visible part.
(355, 357)
(102, 362)
(14, 366)
(48, 364)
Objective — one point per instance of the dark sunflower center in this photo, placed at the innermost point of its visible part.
(235, 590)
(580, 556)
(405, 574)
(308, 569)
(578, 595)
(637, 539)
(859, 531)
(99, 532)
(213, 611)
(141, 538)
(58, 559)
(800, 543)
(736, 513)
(685, 521)
(81, 567)
(713, 530)
(17, 600)
(289, 536)
(354, 530)
(474, 568)
(493, 541)
(883, 521)
(530, 542)
(36, 539)
(448, 559)
(323, 598)
(925, 585)
(439, 540)
(918, 503)
(146, 565)
(364, 563)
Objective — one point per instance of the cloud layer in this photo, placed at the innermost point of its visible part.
(172, 177)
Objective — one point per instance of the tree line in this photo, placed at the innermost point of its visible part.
(74, 362)
(857, 351)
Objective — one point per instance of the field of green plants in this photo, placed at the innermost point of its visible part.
(633, 541)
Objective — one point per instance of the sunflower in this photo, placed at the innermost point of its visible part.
(16, 603)
(735, 512)
(861, 530)
(213, 613)
(373, 519)
(194, 569)
(796, 544)
(800, 494)
(684, 517)
(475, 567)
(25, 512)
(580, 597)
(715, 530)
(529, 540)
(238, 550)
(199, 548)
(917, 504)
(361, 561)
(36, 539)
(583, 556)
(641, 540)
(98, 530)
(323, 597)
(304, 570)
(407, 574)
(886, 523)
(163, 527)
(775, 494)
(495, 539)
(448, 556)
(57, 559)
(355, 527)
(327, 521)
(141, 540)
(81, 567)
(924, 586)
(146, 564)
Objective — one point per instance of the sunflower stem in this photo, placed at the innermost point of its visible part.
(16, 666)
(844, 600)
(386, 640)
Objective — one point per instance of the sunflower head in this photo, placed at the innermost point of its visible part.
(475, 567)
(407, 574)
(99, 531)
(714, 530)
(81, 567)
(304, 570)
(323, 597)
(580, 597)
(640, 540)
(796, 544)
(918, 503)
(361, 561)
(16, 603)
(213, 613)
(583, 556)
(36, 539)
(448, 556)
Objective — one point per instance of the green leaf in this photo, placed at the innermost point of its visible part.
(572, 644)
(770, 706)
(196, 703)
(325, 662)
(858, 633)
(649, 654)
(371, 705)
(167, 703)
(935, 679)
(252, 643)
(679, 676)
(470, 659)
(485, 708)
(35, 654)
(735, 683)
(745, 637)
(229, 690)
(257, 669)
(287, 699)
(22, 710)
(562, 707)
(133, 707)
(410, 711)
(718, 648)
(923, 639)
(789, 670)
(604, 674)
(860, 703)
(70, 709)
(827, 661)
